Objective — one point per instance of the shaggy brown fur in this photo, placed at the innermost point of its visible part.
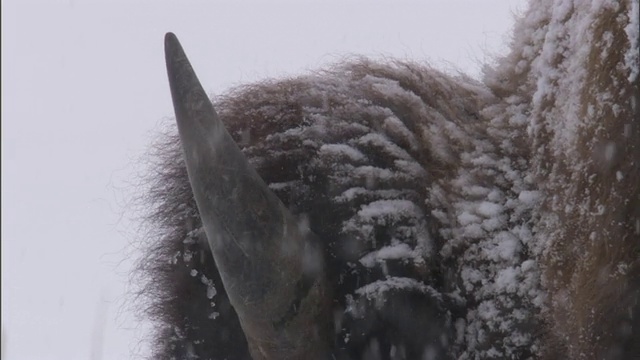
(516, 203)
(590, 216)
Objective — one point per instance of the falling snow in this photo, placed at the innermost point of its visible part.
(415, 179)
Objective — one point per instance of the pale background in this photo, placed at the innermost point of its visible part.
(83, 90)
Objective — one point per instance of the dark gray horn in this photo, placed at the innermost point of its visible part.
(271, 266)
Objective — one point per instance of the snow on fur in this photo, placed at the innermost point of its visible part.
(506, 211)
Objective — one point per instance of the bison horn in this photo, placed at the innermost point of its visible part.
(270, 265)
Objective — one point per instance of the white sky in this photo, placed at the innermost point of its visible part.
(84, 88)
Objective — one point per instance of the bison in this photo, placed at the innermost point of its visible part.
(392, 211)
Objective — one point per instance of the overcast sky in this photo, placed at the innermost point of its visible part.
(83, 90)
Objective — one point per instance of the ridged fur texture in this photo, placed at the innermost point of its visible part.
(462, 219)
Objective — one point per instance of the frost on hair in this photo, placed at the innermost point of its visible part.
(460, 219)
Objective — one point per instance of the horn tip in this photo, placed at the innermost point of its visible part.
(171, 44)
(170, 37)
(178, 66)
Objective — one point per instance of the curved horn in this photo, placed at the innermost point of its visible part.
(270, 266)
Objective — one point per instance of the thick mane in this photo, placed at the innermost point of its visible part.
(576, 69)
(459, 219)
(347, 150)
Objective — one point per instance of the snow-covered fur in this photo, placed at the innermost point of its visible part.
(461, 219)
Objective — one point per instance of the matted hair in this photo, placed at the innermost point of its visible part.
(459, 219)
